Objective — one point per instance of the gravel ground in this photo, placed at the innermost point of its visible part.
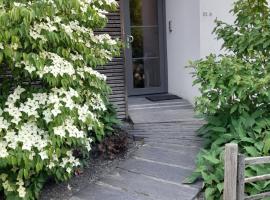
(97, 168)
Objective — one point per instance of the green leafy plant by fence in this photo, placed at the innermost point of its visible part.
(50, 43)
(235, 96)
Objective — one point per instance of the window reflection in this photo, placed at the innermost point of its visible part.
(143, 12)
(146, 73)
(145, 42)
(145, 47)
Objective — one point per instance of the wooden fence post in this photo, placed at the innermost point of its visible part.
(241, 177)
(230, 173)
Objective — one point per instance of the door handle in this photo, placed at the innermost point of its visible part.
(130, 39)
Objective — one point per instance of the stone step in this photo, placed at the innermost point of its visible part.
(165, 172)
(162, 108)
(184, 159)
(173, 147)
(174, 142)
(148, 186)
(176, 135)
(156, 170)
(193, 124)
(103, 191)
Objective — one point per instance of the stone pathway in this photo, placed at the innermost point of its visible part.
(157, 169)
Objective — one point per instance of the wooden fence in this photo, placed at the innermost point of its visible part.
(234, 182)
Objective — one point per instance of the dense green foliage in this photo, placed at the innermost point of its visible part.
(235, 96)
(55, 103)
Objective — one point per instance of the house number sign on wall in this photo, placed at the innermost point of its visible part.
(207, 14)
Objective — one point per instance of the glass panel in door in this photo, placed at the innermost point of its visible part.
(144, 27)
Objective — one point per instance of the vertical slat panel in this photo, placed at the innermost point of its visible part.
(115, 70)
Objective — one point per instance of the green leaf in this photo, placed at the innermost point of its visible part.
(246, 139)
(211, 159)
(209, 193)
(220, 187)
(234, 108)
(192, 178)
(266, 146)
(252, 151)
(219, 129)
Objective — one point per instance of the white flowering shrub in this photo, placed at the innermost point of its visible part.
(51, 42)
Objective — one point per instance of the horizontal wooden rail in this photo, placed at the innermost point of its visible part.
(257, 178)
(258, 196)
(257, 160)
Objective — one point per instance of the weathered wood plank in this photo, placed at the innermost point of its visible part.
(257, 178)
(258, 196)
(257, 160)
(115, 70)
(241, 178)
(239, 171)
(112, 70)
(230, 182)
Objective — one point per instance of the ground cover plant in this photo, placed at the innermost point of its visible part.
(54, 103)
(235, 96)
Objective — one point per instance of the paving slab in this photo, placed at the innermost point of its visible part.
(168, 133)
(174, 142)
(140, 101)
(173, 136)
(173, 147)
(169, 157)
(156, 171)
(149, 186)
(163, 108)
(102, 191)
(162, 171)
(152, 116)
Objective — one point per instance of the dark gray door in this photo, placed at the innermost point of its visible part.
(145, 53)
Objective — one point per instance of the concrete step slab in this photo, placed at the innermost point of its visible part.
(148, 186)
(150, 116)
(174, 147)
(186, 158)
(157, 170)
(174, 142)
(103, 191)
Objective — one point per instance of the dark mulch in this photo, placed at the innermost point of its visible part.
(104, 158)
(200, 196)
(112, 147)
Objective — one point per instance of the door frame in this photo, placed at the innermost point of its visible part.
(162, 51)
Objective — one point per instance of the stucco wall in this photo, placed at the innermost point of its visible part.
(183, 44)
(192, 38)
(213, 9)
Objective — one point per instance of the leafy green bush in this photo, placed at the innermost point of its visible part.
(51, 43)
(235, 96)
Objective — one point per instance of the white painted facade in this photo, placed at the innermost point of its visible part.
(192, 23)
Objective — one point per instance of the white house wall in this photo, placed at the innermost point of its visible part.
(191, 38)
(209, 11)
(183, 44)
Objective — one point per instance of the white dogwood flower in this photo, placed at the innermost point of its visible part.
(3, 149)
(43, 155)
